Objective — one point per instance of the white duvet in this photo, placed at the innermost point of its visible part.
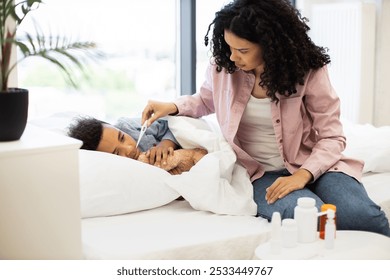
(217, 183)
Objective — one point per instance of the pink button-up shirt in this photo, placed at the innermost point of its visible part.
(307, 125)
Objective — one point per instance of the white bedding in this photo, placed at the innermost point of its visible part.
(217, 183)
(378, 188)
(178, 231)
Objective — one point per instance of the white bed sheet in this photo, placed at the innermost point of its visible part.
(174, 231)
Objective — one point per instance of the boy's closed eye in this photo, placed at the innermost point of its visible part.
(121, 136)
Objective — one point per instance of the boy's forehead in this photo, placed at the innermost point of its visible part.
(109, 138)
(109, 131)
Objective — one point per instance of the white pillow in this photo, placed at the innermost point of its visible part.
(112, 185)
(370, 144)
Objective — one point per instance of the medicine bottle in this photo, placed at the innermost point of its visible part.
(289, 233)
(306, 216)
(323, 218)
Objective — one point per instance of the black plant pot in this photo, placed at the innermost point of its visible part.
(13, 113)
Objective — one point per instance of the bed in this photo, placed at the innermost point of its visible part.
(141, 214)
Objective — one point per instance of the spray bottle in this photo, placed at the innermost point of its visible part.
(323, 218)
(276, 236)
(330, 229)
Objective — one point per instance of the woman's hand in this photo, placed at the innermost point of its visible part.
(155, 110)
(285, 185)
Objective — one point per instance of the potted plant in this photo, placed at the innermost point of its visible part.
(55, 49)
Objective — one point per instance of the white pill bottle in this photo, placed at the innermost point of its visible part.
(306, 217)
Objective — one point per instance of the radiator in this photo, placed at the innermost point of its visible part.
(348, 31)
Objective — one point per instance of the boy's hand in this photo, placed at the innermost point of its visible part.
(158, 155)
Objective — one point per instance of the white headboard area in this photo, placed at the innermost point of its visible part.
(355, 33)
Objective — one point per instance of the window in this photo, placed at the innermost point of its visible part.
(140, 40)
(205, 13)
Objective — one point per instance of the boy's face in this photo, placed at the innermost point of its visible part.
(117, 142)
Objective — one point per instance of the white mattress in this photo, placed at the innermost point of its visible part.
(176, 231)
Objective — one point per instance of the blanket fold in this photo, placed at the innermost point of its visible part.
(217, 183)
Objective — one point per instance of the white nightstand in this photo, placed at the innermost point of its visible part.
(39, 197)
(349, 245)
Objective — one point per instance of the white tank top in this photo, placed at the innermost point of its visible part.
(257, 136)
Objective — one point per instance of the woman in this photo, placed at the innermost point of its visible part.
(268, 84)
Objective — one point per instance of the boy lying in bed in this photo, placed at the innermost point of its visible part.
(158, 146)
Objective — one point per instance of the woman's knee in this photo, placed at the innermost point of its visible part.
(355, 209)
(366, 217)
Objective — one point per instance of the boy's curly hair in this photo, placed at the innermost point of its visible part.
(281, 32)
(87, 129)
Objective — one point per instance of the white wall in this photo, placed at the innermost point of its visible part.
(381, 88)
(382, 77)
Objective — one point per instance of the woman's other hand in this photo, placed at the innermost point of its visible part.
(156, 109)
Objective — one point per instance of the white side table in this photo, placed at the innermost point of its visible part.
(349, 245)
(39, 197)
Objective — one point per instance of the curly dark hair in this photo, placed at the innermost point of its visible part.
(87, 129)
(281, 32)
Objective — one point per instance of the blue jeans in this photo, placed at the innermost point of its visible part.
(355, 210)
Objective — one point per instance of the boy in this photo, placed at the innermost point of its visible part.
(158, 146)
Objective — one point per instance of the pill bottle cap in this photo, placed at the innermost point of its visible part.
(306, 202)
(325, 207)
